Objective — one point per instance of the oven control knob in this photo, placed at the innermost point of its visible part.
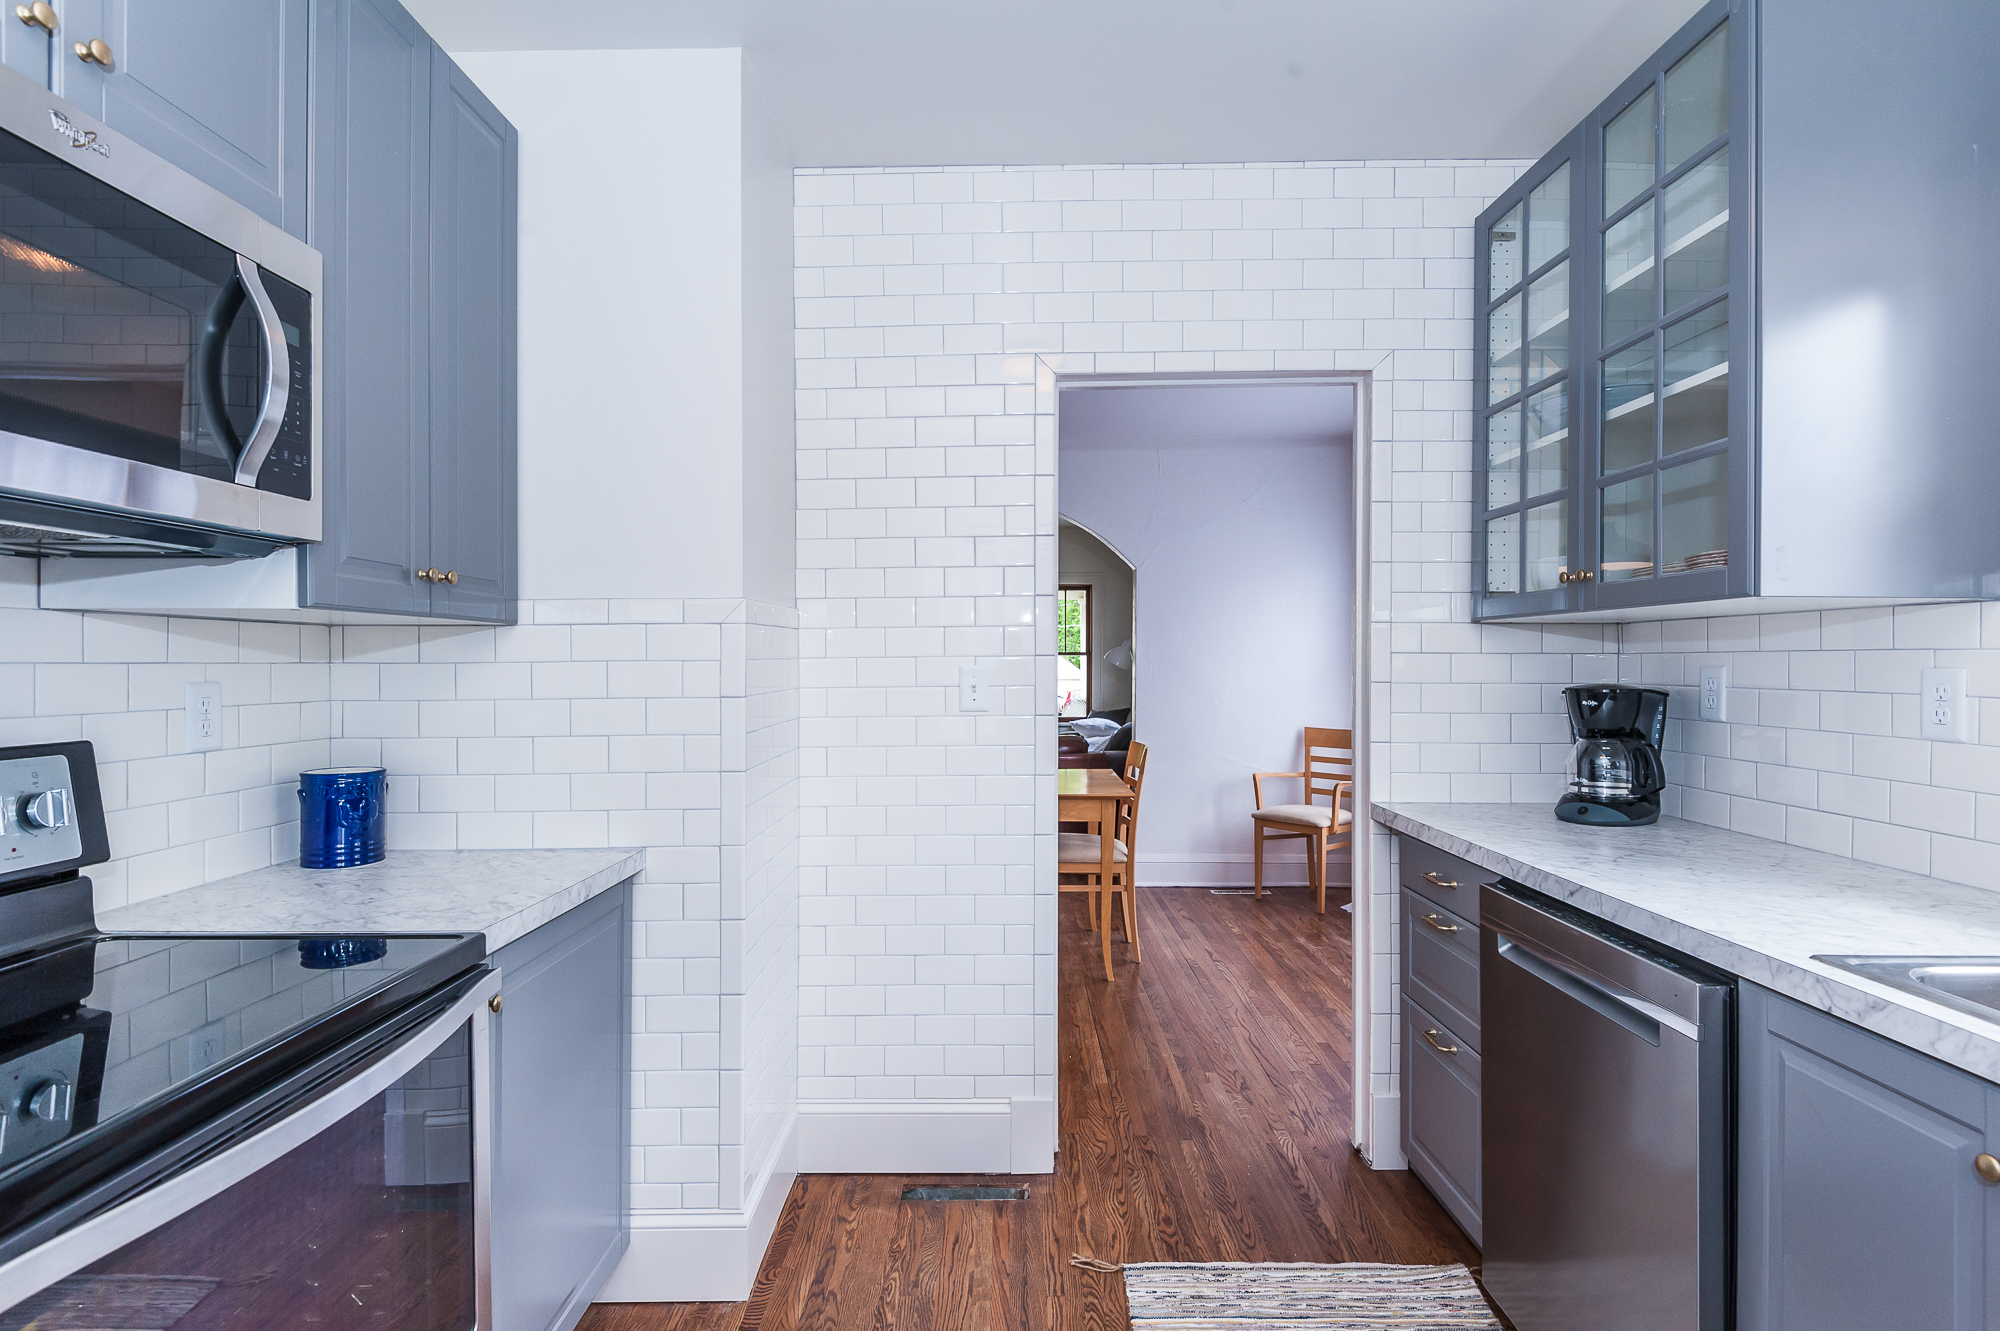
(51, 808)
(52, 1101)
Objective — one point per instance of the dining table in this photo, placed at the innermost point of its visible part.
(1091, 795)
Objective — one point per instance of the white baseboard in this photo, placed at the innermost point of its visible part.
(1228, 869)
(927, 1136)
(705, 1256)
(1384, 1148)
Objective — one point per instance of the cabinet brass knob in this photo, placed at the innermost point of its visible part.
(1585, 575)
(96, 51)
(423, 575)
(1563, 577)
(1434, 922)
(1987, 1167)
(1436, 881)
(38, 15)
(1431, 1039)
(493, 1004)
(451, 577)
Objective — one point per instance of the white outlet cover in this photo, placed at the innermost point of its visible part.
(204, 716)
(1713, 698)
(972, 688)
(1944, 713)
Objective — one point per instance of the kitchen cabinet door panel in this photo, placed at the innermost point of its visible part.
(1441, 1113)
(217, 87)
(25, 48)
(1859, 1204)
(560, 1070)
(371, 221)
(473, 172)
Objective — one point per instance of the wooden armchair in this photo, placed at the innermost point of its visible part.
(1329, 771)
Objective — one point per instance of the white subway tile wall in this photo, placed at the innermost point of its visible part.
(671, 725)
(933, 304)
(1822, 746)
(176, 819)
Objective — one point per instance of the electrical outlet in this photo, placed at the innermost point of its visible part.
(1944, 712)
(972, 689)
(204, 716)
(1715, 693)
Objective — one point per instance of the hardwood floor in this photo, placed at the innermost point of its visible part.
(1204, 1114)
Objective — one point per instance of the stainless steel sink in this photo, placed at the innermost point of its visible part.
(1970, 984)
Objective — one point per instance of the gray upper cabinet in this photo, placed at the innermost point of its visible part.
(1754, 380)
(473, 163)
(217, 87)
(371, 223)
(1860, 1208)
(414, 210)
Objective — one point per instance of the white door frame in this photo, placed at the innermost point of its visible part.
(1377, 1132)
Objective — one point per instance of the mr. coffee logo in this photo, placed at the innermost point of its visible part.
(78, 138)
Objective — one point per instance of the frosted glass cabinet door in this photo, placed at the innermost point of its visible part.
(1667, 437)
(1527, 350)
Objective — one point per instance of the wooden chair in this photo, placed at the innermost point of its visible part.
(1079, 857)
(1326, 827)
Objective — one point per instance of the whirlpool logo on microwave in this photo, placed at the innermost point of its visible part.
(78, 137)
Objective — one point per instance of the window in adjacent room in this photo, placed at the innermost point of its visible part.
(1073, 664)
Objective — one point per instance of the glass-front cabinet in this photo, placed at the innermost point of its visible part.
(1613, 350)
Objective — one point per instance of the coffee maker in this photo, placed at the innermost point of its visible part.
(1616, 775)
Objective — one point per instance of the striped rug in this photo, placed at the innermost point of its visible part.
(1354, 1296)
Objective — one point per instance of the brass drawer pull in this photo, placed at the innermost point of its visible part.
(1432, 921)
(1987, 1167)
(1436, 881)
(1431, 1039)
(38, 15)
(96, 51)
(433, 575)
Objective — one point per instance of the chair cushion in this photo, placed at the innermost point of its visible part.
(1305, 815)
(1084, 848)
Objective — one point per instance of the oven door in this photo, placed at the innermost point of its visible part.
(156, 346)
(365, 1205)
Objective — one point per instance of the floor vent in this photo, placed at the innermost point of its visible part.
(1232, 891)
(917, 1192)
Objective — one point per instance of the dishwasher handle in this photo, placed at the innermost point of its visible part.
(1636, 1015)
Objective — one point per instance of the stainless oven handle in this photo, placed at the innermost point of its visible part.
(103, 1234)
(277, 376)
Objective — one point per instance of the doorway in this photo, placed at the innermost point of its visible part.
(1309, 538)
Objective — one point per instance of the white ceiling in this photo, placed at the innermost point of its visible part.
(957, 82)
(1206, 413)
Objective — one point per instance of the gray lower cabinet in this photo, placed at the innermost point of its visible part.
(1859, 1208)
(561, 1068)
(414, 205)
(1440, 1026)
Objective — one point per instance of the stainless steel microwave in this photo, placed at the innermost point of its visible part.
(158, 386)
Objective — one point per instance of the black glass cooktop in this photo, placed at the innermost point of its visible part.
(112, 1045)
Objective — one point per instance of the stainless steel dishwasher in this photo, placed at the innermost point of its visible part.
(1606, 1124)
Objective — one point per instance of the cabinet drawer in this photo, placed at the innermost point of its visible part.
(1445, 879)
(1441, 1113)
(1441, 964)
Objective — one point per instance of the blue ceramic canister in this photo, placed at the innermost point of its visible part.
(340, 817)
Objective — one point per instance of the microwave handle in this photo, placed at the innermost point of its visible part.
(277, 376)
(214, 342)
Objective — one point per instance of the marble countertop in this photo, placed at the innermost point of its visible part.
(1759, 909)
(503, 894)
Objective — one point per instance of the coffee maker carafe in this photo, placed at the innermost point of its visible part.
(1616, 775)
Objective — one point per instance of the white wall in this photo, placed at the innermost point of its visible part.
(632, 315)
(935, 307)
(657, 508)
(1082, 558)
(1243, 550)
